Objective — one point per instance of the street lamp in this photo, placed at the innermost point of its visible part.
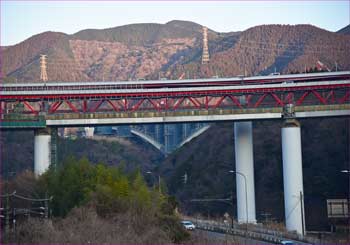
(346, 171)
(159, 190)
(246, 195)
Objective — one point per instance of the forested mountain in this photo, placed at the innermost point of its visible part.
(150, 51)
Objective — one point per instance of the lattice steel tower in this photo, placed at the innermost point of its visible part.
(205, 55)
(43, 73)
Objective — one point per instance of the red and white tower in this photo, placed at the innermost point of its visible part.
(43, 73)
(205, 55)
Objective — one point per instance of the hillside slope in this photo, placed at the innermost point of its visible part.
(152, 51)
(345, 30)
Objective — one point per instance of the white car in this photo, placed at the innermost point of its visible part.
(286, 242)
(188, 225)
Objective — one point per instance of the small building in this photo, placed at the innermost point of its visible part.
(338, 214)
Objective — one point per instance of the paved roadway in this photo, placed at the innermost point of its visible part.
(226, 238)
(230, 239)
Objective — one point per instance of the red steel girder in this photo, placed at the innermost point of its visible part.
(345, 98)
(155, 105)
(206, 102)
(30, 107)
(235, 101)
(166, 103)
(2, 106)
(138, 104)
(178, 102)
(248, 99)
(184, 101)
(85, 105)
(331, 97)
(195, 102)
(289, 98)
(113, 106)
(71, 106)
(278, 100)
(125, 104)
(99, 103)
(55, 106)
(219, 101)
(318, 96)
(260, 100)
(300, 101)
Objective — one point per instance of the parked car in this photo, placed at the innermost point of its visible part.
(188, 225)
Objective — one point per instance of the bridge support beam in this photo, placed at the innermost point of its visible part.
(42, 150)
(293, 176)
(244, 172)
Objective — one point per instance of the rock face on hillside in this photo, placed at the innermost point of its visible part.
(152, 51)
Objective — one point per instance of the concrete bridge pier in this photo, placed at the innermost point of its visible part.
(42, 150)
(243, 133)
(293, 176)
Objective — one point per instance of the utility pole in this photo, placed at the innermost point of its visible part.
(159, 188)
(43, 73)
(46, 206)
(7, 217)
(302, 213)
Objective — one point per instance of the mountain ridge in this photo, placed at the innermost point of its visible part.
(151, 51)
(345, 30)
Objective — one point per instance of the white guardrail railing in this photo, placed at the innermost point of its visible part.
(252, 231)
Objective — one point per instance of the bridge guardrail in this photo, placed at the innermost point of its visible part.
(204, 112)
(252, 231)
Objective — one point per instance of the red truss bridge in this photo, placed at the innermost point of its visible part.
(215, 99)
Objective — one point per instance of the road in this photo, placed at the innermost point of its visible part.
(225, 238)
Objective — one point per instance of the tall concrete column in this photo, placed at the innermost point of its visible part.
(245, 168)
(42, 151)
(293, 176)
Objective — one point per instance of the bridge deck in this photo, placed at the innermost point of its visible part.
(70, 104)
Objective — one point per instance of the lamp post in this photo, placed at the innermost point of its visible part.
(246, 201)
(346, 171)
(246, 195)
(159, 190)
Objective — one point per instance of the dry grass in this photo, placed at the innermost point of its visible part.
(84, 226)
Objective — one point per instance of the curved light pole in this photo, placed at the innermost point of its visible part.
(346, 171)
(246, 195)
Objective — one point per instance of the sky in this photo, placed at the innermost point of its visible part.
(22, 19)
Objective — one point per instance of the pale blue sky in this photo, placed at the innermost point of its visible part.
(22, 19)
